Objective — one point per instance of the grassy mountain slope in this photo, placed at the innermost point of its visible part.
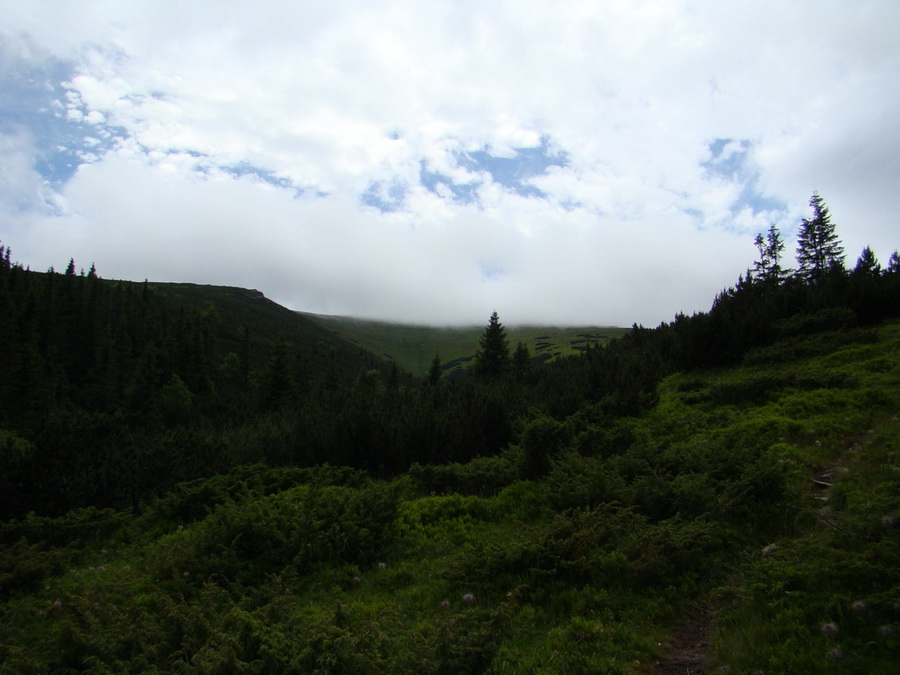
(414, 347)
(770, 488)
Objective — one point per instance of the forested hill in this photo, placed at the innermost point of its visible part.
(110, 388)
(266, 322)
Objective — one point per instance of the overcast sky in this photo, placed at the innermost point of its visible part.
(583, 162)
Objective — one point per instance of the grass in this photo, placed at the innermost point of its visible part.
(414, 347)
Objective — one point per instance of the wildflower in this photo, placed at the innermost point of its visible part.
(768, 550)
(57, 604)
(185, 574)
(835, 654)
(859, 606)
(468, 598)
(381, 565)
(445, 604)
(357, 581)
(886, 631)
(830, 629)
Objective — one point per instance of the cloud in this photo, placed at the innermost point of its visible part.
(431, 162)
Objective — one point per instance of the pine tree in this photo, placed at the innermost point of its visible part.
(867, 264)
(893, 263)
(819, 250)
(434, 373)
(768, 267)
(492, 359)
(521, 359)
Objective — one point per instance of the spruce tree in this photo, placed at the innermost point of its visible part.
(819, 250)
(521, 359)
(434, 373)
(768, 267)
(492, 358)
(893, 263)
(867, 264)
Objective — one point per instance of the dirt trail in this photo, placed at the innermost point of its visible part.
(686, 650)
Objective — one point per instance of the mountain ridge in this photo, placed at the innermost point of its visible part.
(414, 346)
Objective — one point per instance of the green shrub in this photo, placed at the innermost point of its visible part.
(482, 476)
(77, 526)
(828, 319)
(246, 542)
(578, 481)
(24, 567)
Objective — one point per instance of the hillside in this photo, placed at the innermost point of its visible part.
(766, 492)
(267, 323)
(413, 347)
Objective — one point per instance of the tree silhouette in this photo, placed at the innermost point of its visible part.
(768, 267)
(867, 264)
(492, 358)
(819, 250)
(434, 373)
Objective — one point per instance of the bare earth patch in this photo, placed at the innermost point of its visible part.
(686, 650)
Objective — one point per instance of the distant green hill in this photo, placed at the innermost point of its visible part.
(414, 347)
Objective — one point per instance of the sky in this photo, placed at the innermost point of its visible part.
(563, 162)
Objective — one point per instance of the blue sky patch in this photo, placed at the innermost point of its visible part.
(511, 172)
(731, 159)
(514, 172)
(262, 175)
(33, 98)
(467, 193)
(384, 196)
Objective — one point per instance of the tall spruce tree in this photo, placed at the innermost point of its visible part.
(492, 358)
(819, 251)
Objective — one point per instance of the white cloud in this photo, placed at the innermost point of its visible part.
(335, 98)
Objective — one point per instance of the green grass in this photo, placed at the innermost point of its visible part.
(414, 347)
